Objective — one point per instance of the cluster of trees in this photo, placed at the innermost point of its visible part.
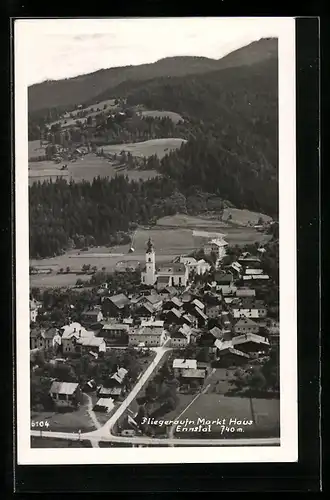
(74, 215)
(260, 378)
(114, 130)
(60, 305)
(79, 369)
(160, 397)
(204, 163)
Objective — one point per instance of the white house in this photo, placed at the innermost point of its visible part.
(196, 266)
(179, 365)
(164, 274)
(217, 246)
(34, 307)
(181, 337)
(147, 336)
(71, 334)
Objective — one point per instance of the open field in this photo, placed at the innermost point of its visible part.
(264, 414)
(69, 421)
(175, 117)
(191, 222)
(56, 280)
(157, 147)
(169, 242)
(238, 217)
(85, 168)
(35, 150)
(244, 217)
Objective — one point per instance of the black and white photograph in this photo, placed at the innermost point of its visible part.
(155, 235)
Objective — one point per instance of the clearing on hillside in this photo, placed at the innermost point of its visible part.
(244, 217)
(69, 119)
(157, 147)
(175, 117)
(85, 168)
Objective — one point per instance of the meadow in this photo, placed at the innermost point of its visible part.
(168, 241)
(264, 413)
(157, 147)
(85, 168)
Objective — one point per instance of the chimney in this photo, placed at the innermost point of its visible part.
(74, 330)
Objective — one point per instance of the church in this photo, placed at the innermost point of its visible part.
(164, 274)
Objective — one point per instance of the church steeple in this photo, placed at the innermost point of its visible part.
(150, 272)
(150, 246)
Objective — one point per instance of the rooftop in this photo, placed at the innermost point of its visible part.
(177, 302)
(246, 322)
(153, 323)
(223, 277)
(171, 268)
(115, 326)
(185, 363)
(146, 330)
(153, 298)
(220, 242)
(193, 373)
(75, 330)
(90, 341)
(119, 300)
(198, 303)
(63, 388)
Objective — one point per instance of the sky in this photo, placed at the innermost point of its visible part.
(63, 48)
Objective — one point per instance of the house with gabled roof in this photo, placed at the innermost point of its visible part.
(116, 305)
(92, 315)
(246, 325)
(65, 394)
(179, 365)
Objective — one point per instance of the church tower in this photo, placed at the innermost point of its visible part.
(150, 273)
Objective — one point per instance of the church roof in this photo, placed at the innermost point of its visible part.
(171, 268)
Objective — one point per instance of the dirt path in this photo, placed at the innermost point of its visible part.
(91, 413)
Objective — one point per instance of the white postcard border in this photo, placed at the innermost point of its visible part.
(288, 449)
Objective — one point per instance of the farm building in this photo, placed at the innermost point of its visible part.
(65, 394)
(248, 342)
(104, 404)
(179, 365)
(192, 375)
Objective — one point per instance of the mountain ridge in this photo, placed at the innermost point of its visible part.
(83, 88)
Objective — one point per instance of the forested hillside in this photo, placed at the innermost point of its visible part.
(232, 117)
